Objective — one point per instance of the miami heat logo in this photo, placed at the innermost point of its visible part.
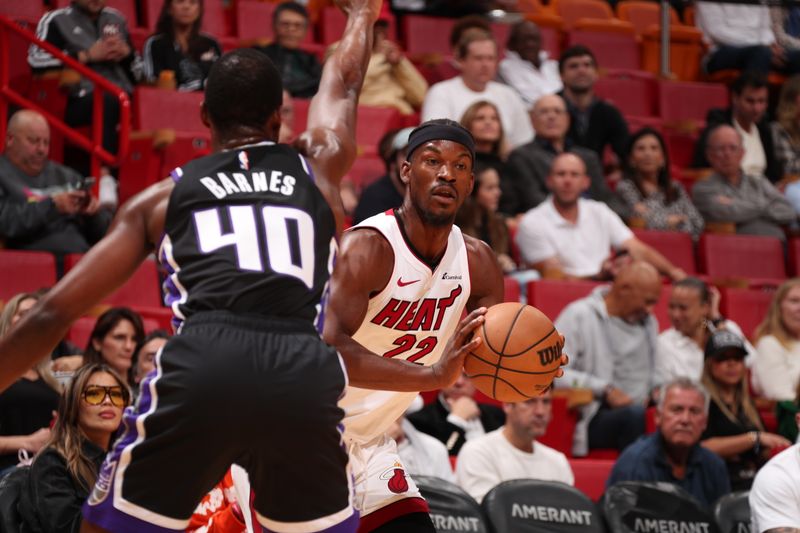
(395, 478)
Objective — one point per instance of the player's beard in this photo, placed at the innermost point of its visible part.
(432, 219)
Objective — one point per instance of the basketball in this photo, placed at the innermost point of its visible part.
(519, 356)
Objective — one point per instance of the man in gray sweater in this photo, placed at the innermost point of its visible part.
(42, 205)
(730, 195)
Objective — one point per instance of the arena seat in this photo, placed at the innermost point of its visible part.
(633, 92)
(685, 51)
(562, 426)
(613, 42)
(590, 475)
(677, 246)
(372, 123)
(680, 145)
(366, 170)
(19, 72)
(254, 19)
(24, 271)
(451, 508)
(628, 507)
(757, 259)
(746, 307)
(81, 330)
(661, 309)
(427, 35)
(142, 289)
(732, 512)
(29, 10)
(511, 291)
(643, 14)
(155, 108)
(537, 506)
(689, 101)
(552, 296)
(571, 11)
(793, 252)
(215, 19)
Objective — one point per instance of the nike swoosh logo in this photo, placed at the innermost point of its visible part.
(401, 283)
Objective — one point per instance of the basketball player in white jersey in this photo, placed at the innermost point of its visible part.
(401, 283)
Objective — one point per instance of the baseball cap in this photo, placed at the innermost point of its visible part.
(724, 341)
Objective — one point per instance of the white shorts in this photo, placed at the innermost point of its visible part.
(380, 477)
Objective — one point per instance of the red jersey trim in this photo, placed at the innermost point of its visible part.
(386, 514)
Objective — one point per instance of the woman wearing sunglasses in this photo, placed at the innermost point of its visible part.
(64, 471)
(734, 430)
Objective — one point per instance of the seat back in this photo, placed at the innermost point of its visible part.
(612, 42)
(372, 123)
(643, 14)
(741, 256)
(634, 506)
(254, 19)
(685, 51)
(793, 252)
(677, 246)
(427, 35)
(591, 475)
(573, 10)
(732, 513)
(142, 288)
(159, 109)
(552, 296)
(746, 307)
(533, 506)
(22, 271)
(685, 100)
(451, 508)
(215, 18)
(633, 94)
(510, 289)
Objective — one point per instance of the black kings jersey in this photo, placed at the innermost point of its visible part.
(248, 231)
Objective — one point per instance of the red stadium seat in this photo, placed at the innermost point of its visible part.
(633, 92)
(643, 14)
(680, 145)
(373, 123)
(427, 35)
(19, 72)
(126, 7)
(81, 330)
(510, 289)
(215, 19)
(758, 259)
(661, 309)
(746, 307)
(685, 100)
(254, 19)
(571, 11)
(163, 109)
(365, 170)
(561, 427)
(794, 257)
(22, 271)
(612, 42)
(676, 246)
(142, 289)
(552, 296)
(591, 475)
(25, 9)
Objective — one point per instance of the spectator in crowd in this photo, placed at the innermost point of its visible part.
(786, 136)
(788, 414)
(144, 356)
(530, 164)
(785, 26)
(455, 417)
(568, 235)
(479, 218)
(748, 115)
(740, 37)
(114, 339)
(673, 453)
(777, 365)
(466, 24)
(43, 205)
(735, 431)
(452, 8)
(512, 451)
(732, 195)
(594, 123)
(421, 454)
(179, 46)
(694, 315)
(98, 37)
(300, 70)
(63, 473)
(477, 60)
(27, 406)
(527, 68)
(775, 496)
(387, 192)
(649, 193)
(391, 79)
(610, 338)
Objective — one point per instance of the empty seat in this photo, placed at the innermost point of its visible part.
(215, 18)
(612, 42)
(759, 259)
(746, 307)
(551, 296)
(683, 100)
(732, 512)
(677, 246)
(372, 123)
(591, 475)
(686, 48)
(632, 92)
(680, 145)
(635, 506)
(365, 170)
(643, 14)
(561, 427)
(540, 507)
(81, 330)
(794, 257)
(451, 508)
(427, 35)
(25, 9)
(23, 271)
(571, 11)
(159, 109)
(510, 289)
(661, 309)
(254, 19)
(142, 288)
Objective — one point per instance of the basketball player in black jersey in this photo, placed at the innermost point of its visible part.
(247, 235)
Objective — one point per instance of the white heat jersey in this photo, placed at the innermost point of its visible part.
(412, 318)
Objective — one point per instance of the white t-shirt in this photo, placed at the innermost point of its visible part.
(581, 247)
(424, 455)
(777, 369)
(486, 461)
(450, 98)
(529, 82)
(754, 162)
(678, 356)
(775, 495)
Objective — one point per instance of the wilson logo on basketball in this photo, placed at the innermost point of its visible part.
(549, 354)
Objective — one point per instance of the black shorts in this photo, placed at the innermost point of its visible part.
(258, 392)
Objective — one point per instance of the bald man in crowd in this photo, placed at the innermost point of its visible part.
(731, 195)
(611, 337)
(44, 205)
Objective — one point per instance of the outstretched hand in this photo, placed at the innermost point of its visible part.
(354, 6)
(450, 366)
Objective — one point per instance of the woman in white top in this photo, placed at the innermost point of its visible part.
(777, 366)
(694, 314)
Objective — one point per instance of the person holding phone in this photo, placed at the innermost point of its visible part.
(44, 205)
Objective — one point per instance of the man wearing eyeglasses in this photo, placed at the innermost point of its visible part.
(751, 202)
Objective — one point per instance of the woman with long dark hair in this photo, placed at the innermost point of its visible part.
(648, 190)
(113, 340)
(179, 46)
(64, 471)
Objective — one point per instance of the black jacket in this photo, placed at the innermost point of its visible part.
(432, 419)
(606, 127)
(714, 118)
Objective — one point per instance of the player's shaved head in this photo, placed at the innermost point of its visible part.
(243, 92)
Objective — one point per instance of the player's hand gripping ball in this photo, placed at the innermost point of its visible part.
(520, 354)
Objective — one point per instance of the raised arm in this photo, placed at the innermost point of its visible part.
(104, 269)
